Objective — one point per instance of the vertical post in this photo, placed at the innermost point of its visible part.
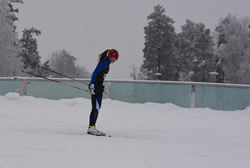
(192, 96)
(25, 88)
(108, 89)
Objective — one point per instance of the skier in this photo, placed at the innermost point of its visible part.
(96, 87)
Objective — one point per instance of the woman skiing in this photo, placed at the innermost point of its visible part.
(96, 87)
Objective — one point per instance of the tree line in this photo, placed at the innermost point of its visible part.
(21, 55)
(196, 53)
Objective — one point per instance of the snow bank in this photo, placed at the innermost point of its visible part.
(42, 133)
(12, 96)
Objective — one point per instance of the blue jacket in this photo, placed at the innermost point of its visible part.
(100, 73)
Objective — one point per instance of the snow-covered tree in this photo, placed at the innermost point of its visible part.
(29, 51)
(195, 48)
(82, 72)
(134, 72)
(9, 12)
(159, 52)
(244, 70)
(233, 43)
(9, 47)
(64, 63)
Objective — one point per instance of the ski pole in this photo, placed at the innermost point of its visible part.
(53, 80)
(60, 74)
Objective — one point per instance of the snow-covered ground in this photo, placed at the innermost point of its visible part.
(42, 133)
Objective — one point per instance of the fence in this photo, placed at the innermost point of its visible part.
(184, 94)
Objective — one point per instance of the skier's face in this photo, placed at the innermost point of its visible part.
(113, 59)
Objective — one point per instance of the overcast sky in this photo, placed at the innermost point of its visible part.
(85, 28)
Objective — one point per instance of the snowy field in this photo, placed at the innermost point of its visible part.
(42, 133)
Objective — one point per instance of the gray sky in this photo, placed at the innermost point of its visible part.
(85, 28)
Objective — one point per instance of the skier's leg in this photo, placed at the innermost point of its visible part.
(96, 105)
(96, 101)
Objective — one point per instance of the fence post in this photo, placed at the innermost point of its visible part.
(108, 89)
(192, 96)
(25, 88)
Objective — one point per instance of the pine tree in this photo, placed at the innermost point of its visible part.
(195, 47)
(159, 52)
(29, 53)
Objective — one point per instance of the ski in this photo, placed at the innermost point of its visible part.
(102, 135)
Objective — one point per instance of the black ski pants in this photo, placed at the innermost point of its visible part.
(96, 100)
